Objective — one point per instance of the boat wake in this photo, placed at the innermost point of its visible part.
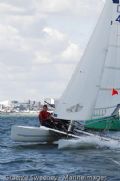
(89, 142)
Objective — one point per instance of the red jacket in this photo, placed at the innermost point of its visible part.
(44, 115)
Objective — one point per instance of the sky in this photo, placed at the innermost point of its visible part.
(41, 42)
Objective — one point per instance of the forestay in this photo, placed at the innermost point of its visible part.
(97, 73)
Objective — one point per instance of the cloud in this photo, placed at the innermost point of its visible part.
(41, 58)
(19, 3)
(41, 42)
(68, 6)
(9, 9)
(10, 38)
(72, 53)
(53, 6)
(54, 33)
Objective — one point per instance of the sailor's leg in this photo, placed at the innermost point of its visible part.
(46, 123)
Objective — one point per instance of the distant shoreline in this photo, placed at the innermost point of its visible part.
(19, 114)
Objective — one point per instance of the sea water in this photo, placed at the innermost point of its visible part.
(23, 161)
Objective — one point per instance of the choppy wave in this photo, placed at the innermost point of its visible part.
(43, 159)
(89, 141)
(4, 162)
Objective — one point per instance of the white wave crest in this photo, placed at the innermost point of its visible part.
(89, 141)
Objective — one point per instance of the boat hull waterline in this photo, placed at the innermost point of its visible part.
(37, 134)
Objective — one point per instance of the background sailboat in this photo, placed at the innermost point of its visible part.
(93, 92)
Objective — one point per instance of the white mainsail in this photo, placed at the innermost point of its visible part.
(105, 103)
(97, 73)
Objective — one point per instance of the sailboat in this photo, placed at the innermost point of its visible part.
(93, 94)
(92, 97)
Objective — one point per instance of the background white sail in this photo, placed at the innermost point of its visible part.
(105, 103)
(80, 97)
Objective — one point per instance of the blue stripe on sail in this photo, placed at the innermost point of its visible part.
(116, 1)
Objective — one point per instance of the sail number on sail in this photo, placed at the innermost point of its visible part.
(118, 19)
(75, 108)
(118, 9)
(116, 1)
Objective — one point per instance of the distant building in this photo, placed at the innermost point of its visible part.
(5, 106)
(6, 103)
(15, 106)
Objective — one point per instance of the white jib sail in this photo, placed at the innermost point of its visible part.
(95, 72)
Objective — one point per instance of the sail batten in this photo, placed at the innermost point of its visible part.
(108, 89)
(114, 46)
(112, 68)
(97, 67)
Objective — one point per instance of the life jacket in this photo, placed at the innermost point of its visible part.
(44, 115)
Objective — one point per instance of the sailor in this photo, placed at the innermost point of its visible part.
(45, 117)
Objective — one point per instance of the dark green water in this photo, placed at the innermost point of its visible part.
(20, 161)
